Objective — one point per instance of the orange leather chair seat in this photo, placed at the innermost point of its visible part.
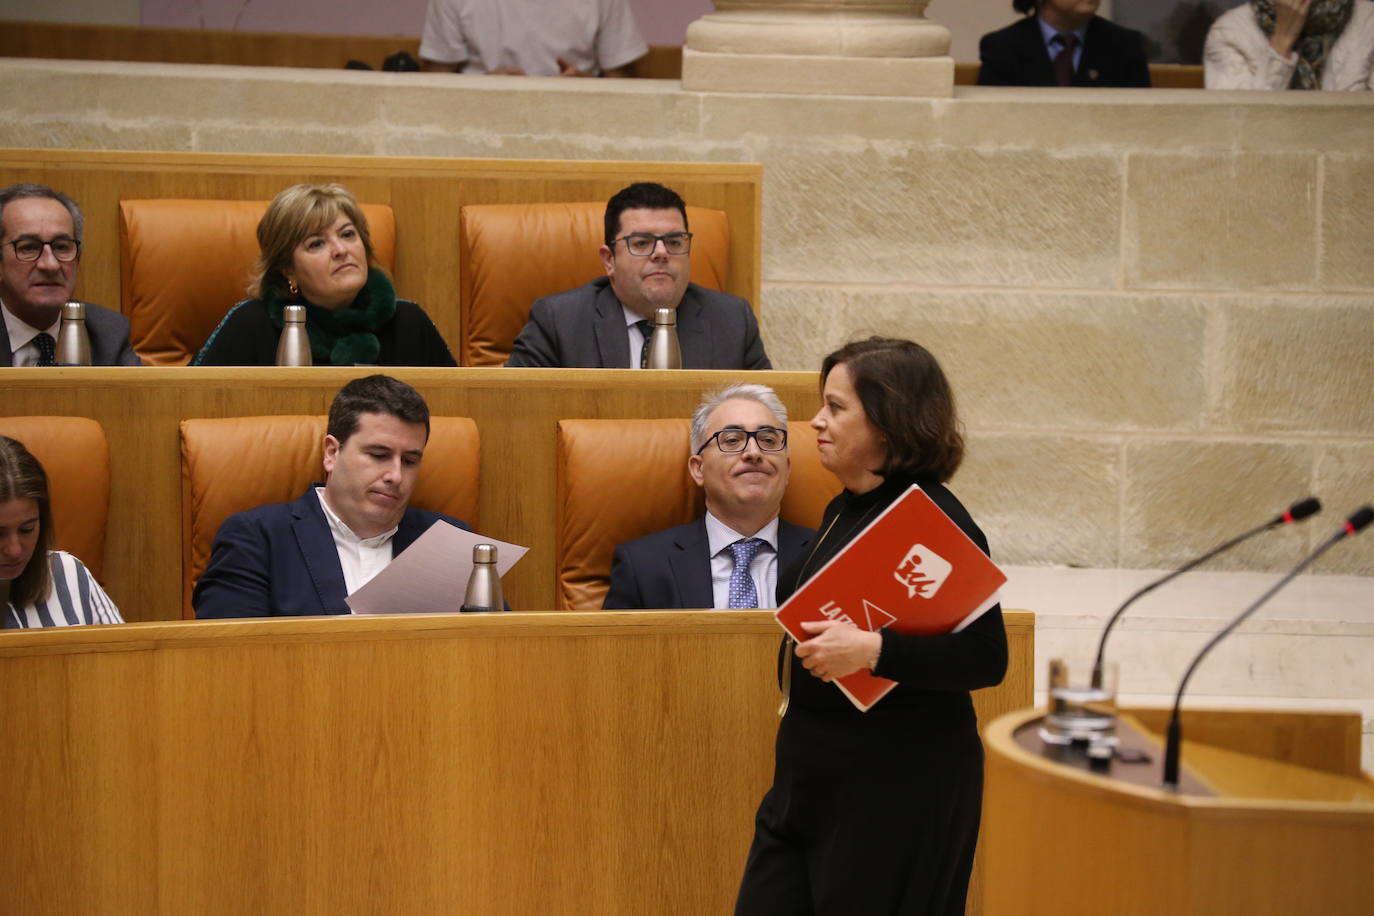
(237, 463)
(76, 459)
(622, 479)
(184, 263)
(512, 254)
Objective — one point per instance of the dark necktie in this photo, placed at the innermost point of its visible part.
(47, 349)
(646, 327)
(1063, 61)
(742, 591)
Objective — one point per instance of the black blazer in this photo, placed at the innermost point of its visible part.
(1016, 56)
(672, 568)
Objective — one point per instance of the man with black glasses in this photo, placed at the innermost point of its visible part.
(606, 324)
(730, 557)
(40, 249)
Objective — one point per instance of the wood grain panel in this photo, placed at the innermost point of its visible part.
(516, 411)
(425, 194)
(482, 764)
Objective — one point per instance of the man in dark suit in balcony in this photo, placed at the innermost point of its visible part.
(731, 556)
(606, 323)
(1064, 43)
(40, 251)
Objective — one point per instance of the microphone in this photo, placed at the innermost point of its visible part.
(1296, 513)
(1353, 525)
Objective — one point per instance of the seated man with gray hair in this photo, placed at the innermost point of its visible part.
(730, 557)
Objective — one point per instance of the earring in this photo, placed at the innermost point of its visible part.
(291, 285)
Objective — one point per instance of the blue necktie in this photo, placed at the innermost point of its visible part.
(743, 594)
(646, 327)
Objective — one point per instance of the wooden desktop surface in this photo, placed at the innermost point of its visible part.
(523, 763)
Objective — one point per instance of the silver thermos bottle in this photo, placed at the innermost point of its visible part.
(664, 352)
(293, 347)
(484, 585)
(73, 343)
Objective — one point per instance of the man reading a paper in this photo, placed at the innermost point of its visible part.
(730, 557)
(304, 557)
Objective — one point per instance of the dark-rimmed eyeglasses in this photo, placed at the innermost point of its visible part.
(63, 248)
(732, 441)
(642, 244)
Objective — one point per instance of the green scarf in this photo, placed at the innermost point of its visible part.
(347, 336)
(1326, 19)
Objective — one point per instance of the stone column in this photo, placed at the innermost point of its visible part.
(819, 47)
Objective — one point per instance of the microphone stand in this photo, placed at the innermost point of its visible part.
(1353, 525)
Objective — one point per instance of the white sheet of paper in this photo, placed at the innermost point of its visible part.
(431, 575)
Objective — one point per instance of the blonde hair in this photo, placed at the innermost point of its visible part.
(294, 215)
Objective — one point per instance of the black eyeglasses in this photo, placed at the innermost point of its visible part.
(642, 244)
(63, 248)
(733, 440)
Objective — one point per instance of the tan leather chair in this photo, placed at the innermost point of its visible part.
(237, 463)
(76, 459)
(623, 479)
(184, 263)
(512, 254)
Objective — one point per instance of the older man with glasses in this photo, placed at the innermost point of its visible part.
(606, 324)
(40, 249)
(730, 557)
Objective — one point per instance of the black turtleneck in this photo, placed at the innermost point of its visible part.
(926, 668)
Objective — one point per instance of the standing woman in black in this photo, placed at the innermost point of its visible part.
(877, 813)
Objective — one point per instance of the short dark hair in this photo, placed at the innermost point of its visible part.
(642, 195)
(1025, 7)
(905, 394)
(23, 477)
(375, 394)
(26, 190)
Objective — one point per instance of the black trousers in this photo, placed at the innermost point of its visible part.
(875, 814)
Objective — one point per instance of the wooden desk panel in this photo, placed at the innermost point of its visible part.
(516, 411)
(481, 764)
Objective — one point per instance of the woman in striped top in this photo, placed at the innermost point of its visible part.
(39, 587)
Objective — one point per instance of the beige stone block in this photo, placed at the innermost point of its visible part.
(1329, 121)
(1019, 361)
(610, 109)
(801, 324)
(1347, 237)
(925, 77)
(1044, 499)
(1184, 497)
(1299, 365)
(22, 133)
(888, 213)
(1345, 482)
(270, 139)
(792, 118)
(479, 143)
(1099, 120)
(1224, 221)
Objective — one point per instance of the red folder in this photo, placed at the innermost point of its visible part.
(912, 569)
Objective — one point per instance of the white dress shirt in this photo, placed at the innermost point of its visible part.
(23, 352)
(361, 558)
(763, 569)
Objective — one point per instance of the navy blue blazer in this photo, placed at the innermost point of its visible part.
(1113, 55)
(672, 568)
(280, 560)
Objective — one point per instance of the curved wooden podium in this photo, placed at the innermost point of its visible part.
(522, 763)
(1248, 834)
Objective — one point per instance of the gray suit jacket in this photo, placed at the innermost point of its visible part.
(109, 333)
(584, 328)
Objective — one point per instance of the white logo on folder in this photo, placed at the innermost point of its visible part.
(922, 571)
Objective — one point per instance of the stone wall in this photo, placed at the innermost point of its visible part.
(1157, 307)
